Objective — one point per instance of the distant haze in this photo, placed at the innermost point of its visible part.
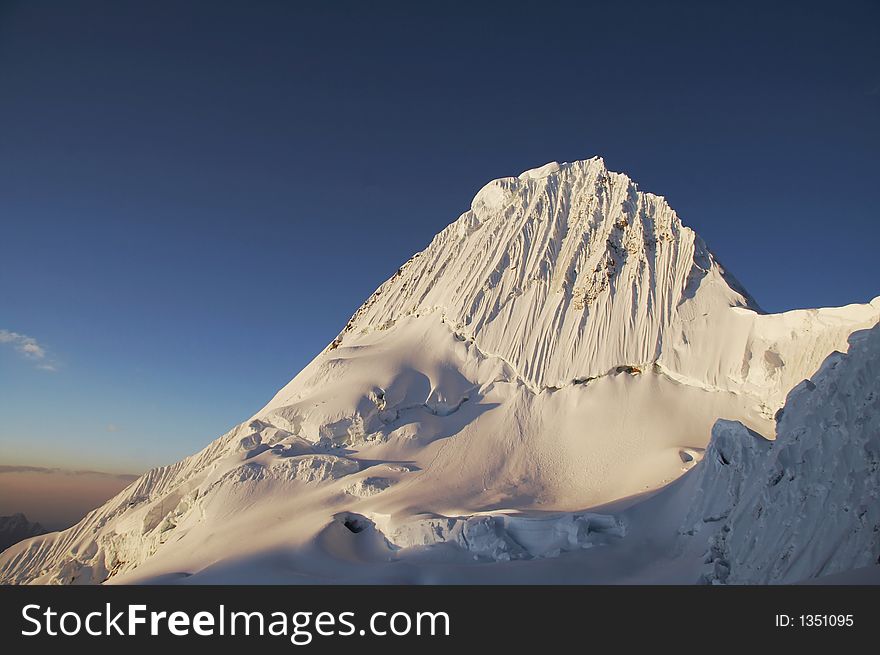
(56, 498)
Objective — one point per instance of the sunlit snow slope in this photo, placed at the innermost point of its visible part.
(556, 353)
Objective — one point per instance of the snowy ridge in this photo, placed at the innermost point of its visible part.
(807, 505)
(564, 345)
(570, 271)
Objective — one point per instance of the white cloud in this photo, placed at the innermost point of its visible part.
(32, 349)
(29, 347)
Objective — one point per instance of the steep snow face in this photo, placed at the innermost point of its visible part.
(566, 271)
(570, 272)
(565, 344)
(807, 504)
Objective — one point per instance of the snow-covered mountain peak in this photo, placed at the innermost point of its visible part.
(567, 270)
(542, 171)
(565, 344)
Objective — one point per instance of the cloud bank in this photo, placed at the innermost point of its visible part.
(125, 477)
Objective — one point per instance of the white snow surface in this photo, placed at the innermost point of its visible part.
(516, 404)
(806, 505)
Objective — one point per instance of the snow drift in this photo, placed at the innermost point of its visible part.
(500, 406)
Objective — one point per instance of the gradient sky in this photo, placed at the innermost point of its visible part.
(194, 197)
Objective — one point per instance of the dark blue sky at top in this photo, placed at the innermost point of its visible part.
(194, 197)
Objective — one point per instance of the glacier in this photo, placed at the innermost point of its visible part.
(543, 394)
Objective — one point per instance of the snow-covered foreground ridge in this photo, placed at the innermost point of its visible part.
(497, 411)
(808, 503)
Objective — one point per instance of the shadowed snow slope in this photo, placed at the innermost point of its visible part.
(566, 344)
(805, 505)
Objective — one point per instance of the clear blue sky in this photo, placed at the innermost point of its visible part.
(194, 197)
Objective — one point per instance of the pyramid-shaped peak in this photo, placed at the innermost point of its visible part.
(567, 266)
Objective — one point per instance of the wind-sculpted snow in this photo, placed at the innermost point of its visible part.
(566, 344)
(567, 270)
(811, 505)
(570, 271)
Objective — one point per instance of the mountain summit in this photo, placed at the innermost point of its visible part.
(516, 391)
(567, 270)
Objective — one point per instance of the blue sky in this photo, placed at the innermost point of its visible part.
(194, 197)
